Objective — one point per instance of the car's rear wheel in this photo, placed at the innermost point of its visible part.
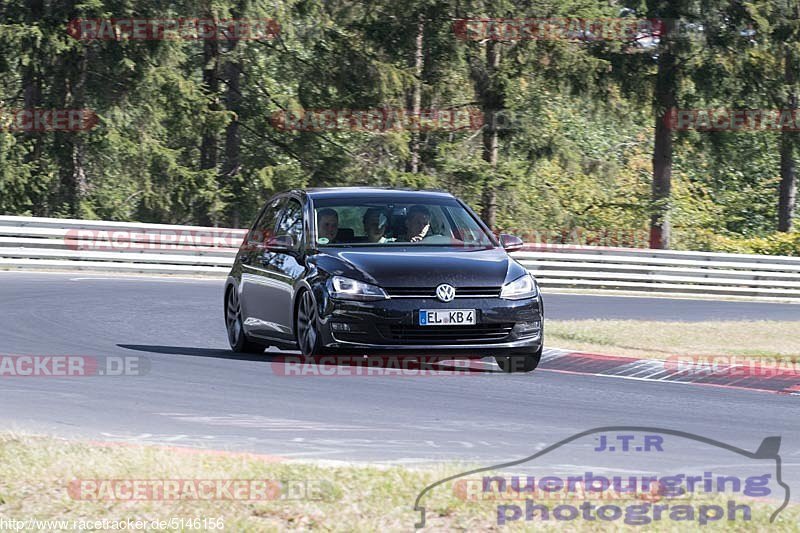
(526, 362)
(237, 338)
(307, 326)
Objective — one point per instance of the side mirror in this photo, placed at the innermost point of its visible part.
(281, 244)
(511, 242)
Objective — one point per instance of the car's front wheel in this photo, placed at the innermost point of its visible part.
(237, 338)
(306, 326)
(526, 362)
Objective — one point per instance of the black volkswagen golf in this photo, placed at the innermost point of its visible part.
(370, 270)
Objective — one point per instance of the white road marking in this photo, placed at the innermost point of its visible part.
(155, 279)
(648, 379)
(121, 277)
(269, 424)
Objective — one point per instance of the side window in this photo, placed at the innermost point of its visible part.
(291, 222)
(463, 225)
(264, 228)
(439, 226)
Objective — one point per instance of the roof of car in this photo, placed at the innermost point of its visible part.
(349, 192)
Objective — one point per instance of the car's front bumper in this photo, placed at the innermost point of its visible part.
(503, 326)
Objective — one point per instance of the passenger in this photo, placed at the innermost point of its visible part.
(418, 223)
(375, 223)
(327, 224)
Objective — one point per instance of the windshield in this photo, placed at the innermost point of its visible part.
(385, 223)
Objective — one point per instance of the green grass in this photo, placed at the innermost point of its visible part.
(650, 339)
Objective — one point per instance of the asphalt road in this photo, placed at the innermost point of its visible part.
(197, 393)
(576, 307)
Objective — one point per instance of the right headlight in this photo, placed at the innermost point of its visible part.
(351, 289)
(521, 288)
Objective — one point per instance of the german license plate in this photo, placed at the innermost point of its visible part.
(446, 317)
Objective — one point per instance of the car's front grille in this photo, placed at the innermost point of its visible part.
(430, 292)
(477, 334)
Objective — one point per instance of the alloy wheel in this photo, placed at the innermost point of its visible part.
(233, 318)
(307, 325)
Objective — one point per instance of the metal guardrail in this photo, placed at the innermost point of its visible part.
(130, 247)
(669, 271)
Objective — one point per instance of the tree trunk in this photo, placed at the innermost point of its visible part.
(32, 96)
(233, 138)
(79, 146)
(665, 99)
(788, 185)
(491, 103)
(210, 140)
(73, 186)
(208, 149)
(412, 165)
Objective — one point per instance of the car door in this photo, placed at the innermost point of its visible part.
(254, 258)
(285, 268)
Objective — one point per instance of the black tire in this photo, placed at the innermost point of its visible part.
(306, 321)
(519, 362)
(237, 338)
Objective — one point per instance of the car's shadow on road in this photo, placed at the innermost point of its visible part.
(196, 352)
(289, 363)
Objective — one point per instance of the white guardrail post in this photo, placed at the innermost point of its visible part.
(63, 244)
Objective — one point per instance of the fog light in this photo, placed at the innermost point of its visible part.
(340, 326)
(528, 329)
(529, 326)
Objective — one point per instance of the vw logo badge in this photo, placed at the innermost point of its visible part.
(445, 292)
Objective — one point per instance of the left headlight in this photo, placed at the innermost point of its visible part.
(352, 289)
(521, 288)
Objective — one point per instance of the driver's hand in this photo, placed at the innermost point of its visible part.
(422, 234)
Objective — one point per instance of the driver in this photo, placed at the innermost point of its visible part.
(375, 222)
(418, 223)
(327, 224)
